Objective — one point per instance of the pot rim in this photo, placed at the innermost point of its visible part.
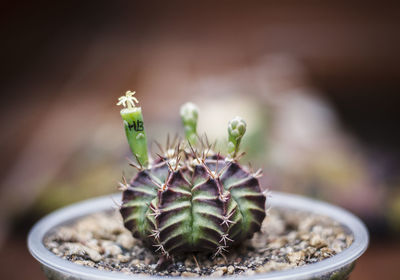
(277, 199)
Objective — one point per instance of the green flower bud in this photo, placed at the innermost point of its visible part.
(189, 114)
(236, 130)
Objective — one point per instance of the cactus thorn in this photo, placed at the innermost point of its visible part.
(131, 163)
(159, 147)
(177, 162)
(214, 144)
(224, 238)
(223, 169)
(160, 247)
(224, 197)
(200, 140)
(155, 234)
(168, 140)
(216, 165)
(155, 211)
(162, 158)
(195, 260)
(138, 161)
(239, 156)
(170, 167)
(194, 154)
(118, 205)
(178, 150)
(209, 171)
(208, 150)
(175, 140)
(155, 182)
(203, 156)
(122, 187)
(258, 173)
(124, 178)
(206, 139)
(226, 220)
(220, 250)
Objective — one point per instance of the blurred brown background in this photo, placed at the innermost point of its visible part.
(64, 64)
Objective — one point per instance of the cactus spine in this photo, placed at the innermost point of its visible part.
(191, 199)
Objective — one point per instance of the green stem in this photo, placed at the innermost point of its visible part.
(135, 133)
(189, 115)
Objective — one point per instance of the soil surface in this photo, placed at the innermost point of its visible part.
(288, 239)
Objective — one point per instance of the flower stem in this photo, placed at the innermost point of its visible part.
(135, 133)
(189, 114)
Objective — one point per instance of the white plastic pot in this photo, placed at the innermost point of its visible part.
(336, 267)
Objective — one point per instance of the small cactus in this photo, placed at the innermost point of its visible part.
(190, 199)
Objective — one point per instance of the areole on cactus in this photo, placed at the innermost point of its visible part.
(190, 199)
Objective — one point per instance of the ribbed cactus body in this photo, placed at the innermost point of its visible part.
(197, 205)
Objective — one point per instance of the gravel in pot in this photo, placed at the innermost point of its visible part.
(288, 239)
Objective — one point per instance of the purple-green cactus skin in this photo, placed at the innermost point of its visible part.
(191, 199)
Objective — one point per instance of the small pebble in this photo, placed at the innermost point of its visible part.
(87, 263)
(189, 274)
(295, 257)
(231, 269)
(188, 262)
(317, 241)
(217, 273)
(222, 268)
(250, 272)
(123, 258)
(126, 270)
(126, 240)
(134, 262)
(110, 248)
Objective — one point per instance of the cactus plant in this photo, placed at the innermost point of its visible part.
(189, 199)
